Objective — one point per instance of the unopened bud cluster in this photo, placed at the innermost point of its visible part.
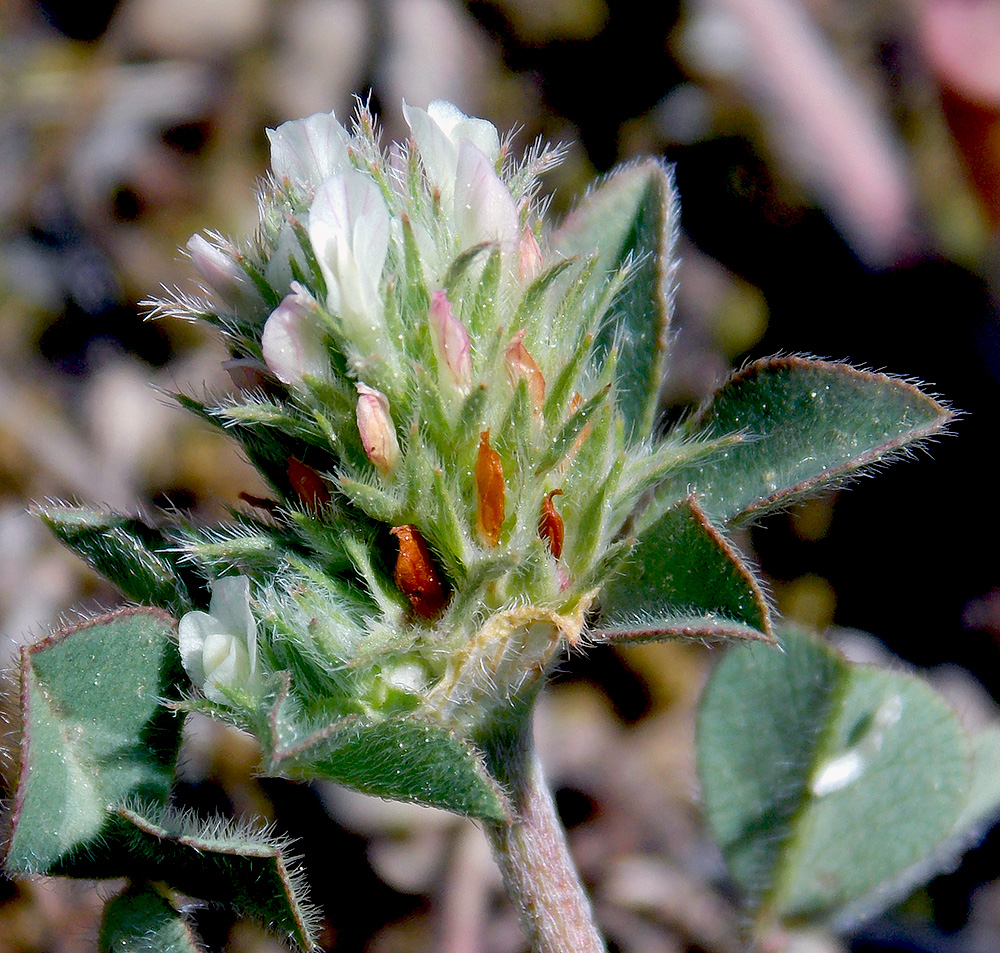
(416, 377)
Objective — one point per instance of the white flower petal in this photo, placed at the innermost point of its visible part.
(308, 151)
(278, 271)
(457, 126)
(230, 604)
(226, 664)
(219, 647)
(439, 132)
(438, 152)
(349, 231)
(193, 631)
(484, 208)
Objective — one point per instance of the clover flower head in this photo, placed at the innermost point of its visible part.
(219, 648)
(414, 426)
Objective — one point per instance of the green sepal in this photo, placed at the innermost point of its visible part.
(95, 734)
(142, 920)
(245, 545)
(831, 788)
(371, 499)
(683, 579)
(532, 302)
(407, 758)
(632, 218)
(570, 432)
(268, 448)
(134, 556)
(248, 869)
(806, 424)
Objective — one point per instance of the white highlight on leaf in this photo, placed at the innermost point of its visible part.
(848, 766)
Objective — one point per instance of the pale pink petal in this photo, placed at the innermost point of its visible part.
(484, 208)
(378, 433)
(292, 341)
(451, 343)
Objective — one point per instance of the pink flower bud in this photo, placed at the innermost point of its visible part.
(520, 364)
(292, 341)
(451, 343)
(220, 271)
(529, 255)
(378, 434)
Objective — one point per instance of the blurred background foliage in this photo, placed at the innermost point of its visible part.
(839, 167)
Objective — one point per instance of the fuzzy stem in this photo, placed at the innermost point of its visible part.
(531, 851)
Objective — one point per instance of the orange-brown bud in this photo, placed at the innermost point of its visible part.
(520, 363)
(415, 573)
(490, 491)
(308, 485)
(550, 525)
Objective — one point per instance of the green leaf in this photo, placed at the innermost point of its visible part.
(142, 920)
(806, 424)
(631, 217)
(401, 758)
(983, 802)
(94, 734)
(683, 580)
(827, 785)
(133, 556)
(247, 869)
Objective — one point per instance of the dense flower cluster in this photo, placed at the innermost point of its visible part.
(424, 378)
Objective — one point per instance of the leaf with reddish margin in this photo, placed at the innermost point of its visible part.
(246, 868)
(403, 758)
(683, 580)
(95, 734)
(806, 424)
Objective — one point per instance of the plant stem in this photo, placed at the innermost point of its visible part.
(534, 859)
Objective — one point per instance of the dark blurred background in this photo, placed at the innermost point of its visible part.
(839, 168)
